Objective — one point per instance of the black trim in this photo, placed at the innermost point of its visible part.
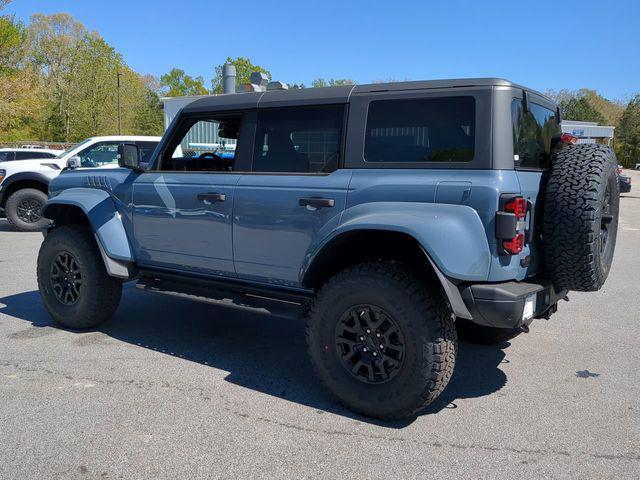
(501, 304)
(190, 282)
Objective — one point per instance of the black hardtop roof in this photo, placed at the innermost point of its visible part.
(332, 95)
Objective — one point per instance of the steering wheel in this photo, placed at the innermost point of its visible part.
(218, 163)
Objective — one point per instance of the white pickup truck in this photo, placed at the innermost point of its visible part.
(24, 183)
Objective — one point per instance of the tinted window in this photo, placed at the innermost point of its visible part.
(304, 140)
(146, 150)
(30, 155)
(6, 156)
(99, 154)
(533, 132)
(421, 130)
(205, 145)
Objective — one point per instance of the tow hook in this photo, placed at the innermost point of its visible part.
(524, 328)
(566, 298)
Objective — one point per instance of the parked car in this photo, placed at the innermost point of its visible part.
(24, 183)
(390, 215)
(10, 154)
(624, 183)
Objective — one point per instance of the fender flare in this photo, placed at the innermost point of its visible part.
(106, 223)
(21, 176)
(453, 236)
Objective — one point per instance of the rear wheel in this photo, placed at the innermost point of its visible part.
(381, 341)
(73, 282)
(24, 210)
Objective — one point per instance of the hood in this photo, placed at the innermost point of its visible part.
(27, 165)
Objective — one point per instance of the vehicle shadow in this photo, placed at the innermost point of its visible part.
(260, 352)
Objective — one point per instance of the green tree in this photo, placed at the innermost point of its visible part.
(54, 43)
(579, 108)
(628, 134)
(148, 118)
(244, 69)
(178, 84)
(332, 82)
(12, 39)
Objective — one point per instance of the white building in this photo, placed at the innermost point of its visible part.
(588, 132)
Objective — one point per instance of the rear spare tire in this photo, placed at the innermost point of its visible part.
(581, 217)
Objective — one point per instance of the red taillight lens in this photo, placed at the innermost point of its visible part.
(515, 245)
(518, 206)
(568, 138)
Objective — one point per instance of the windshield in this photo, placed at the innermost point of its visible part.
(73, 148)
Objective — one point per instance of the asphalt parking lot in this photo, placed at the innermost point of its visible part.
(174, 389)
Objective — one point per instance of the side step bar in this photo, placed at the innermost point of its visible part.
(244, 297)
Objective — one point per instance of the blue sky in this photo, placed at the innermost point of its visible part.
(542, 44)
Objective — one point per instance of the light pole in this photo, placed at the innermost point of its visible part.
(118, 95)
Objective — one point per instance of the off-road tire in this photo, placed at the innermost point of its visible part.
(474, 333)
(19, 197)
(575, 201)
(99, 294)
(427, 324)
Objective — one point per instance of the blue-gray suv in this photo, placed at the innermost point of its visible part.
(395, 217)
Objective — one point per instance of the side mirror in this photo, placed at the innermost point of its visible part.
(73, 163)
(129, 156)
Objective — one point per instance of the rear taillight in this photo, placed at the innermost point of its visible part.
(511, 223)
(517, 206)
(568, 138)
(515, 245)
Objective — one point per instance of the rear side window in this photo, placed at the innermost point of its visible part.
(533, 132)
(29, 155)
(6, 156)
(421, 130)
(299, 140)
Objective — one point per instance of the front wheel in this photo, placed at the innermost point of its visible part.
(381, 341)
(73, 282)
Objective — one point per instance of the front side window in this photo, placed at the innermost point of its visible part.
(420, 130)
(105, 153)
(205, 145)
(299, 140)
(533, 133)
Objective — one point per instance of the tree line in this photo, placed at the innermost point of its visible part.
(59, 82)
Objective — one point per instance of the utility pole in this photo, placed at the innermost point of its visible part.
(118, 95)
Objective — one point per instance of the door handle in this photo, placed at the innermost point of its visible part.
(316, 202)
(212, 197)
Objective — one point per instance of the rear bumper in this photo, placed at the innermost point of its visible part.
(510, 304)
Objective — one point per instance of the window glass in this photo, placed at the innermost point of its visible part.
(206, 145)
(146, 150)
(6, 156)
(421, 130)
(99, 154)
(533, 132)
(304, 140)
(29, 155)
(60, 155)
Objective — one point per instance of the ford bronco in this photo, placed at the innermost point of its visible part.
(392, 216)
